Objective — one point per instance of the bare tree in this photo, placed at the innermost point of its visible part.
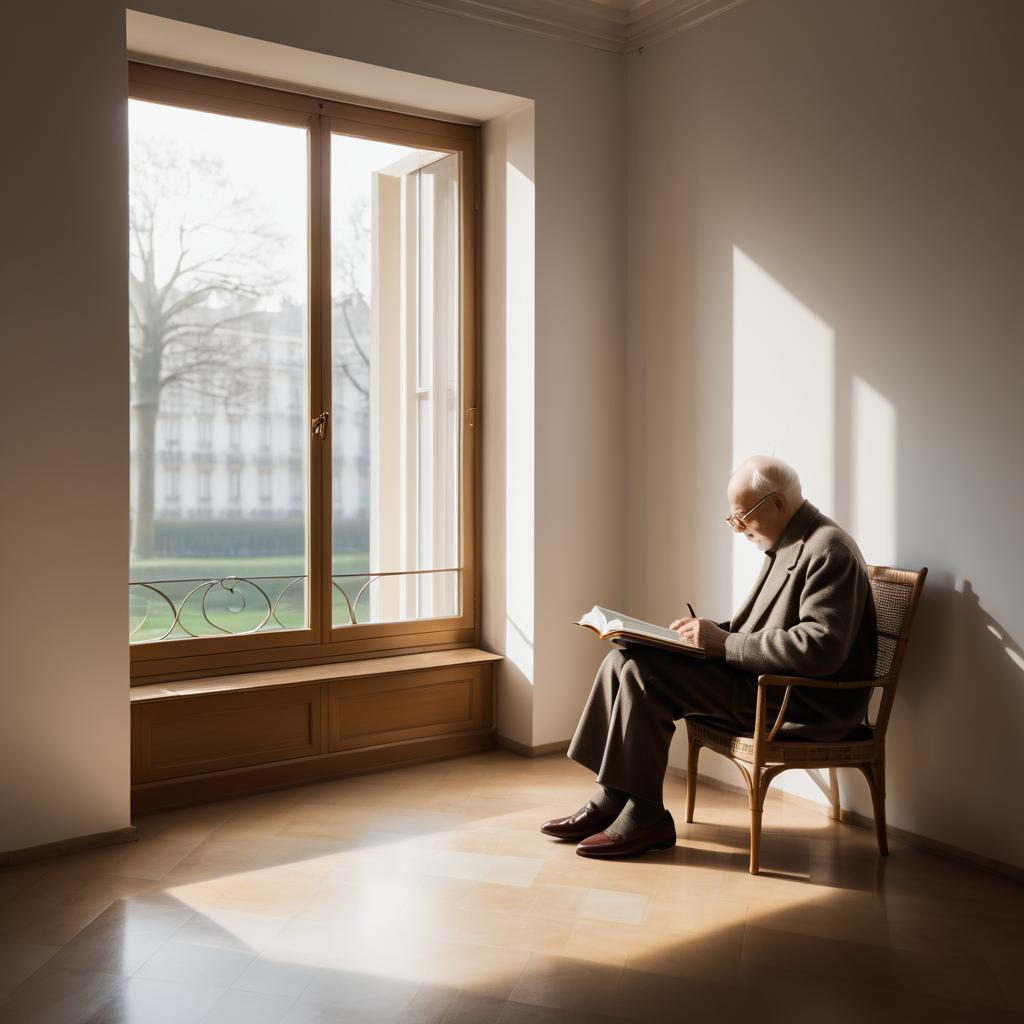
(351, 321)
(201, 254)
(351, 310)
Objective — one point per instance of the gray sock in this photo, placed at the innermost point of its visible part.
(636, 814)
(609, 801)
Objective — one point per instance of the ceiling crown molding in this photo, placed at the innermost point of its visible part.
(653, 20)
(615, 26)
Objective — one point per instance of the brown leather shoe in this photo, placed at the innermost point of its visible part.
(660, 836)
(585, 822)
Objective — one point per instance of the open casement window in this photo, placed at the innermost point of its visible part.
(302, 331)
(414, 388)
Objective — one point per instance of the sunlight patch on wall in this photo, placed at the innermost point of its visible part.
(783, 391)
(519, 421)
(873, 473)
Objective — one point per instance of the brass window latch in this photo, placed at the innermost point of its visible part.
(320, 425)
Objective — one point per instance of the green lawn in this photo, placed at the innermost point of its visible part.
(237, 608)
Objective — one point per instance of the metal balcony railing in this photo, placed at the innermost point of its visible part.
(181, 608)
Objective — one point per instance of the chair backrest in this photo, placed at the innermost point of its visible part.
(896, 593)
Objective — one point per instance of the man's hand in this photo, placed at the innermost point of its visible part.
(703, 632)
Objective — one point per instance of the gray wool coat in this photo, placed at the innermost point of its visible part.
(810, 613)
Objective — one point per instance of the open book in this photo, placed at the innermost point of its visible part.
(621, 628)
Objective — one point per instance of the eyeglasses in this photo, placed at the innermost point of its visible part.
(738, 519)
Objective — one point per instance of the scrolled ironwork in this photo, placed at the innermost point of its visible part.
(179, 609)
(149, 606)
(200, 589)
(372, 577)
(277, 600)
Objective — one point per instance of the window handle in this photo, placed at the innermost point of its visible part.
(320, 425)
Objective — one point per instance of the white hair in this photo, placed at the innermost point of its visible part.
(769, 474)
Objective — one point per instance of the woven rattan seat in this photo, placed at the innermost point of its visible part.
(717, 730)
(769, 751)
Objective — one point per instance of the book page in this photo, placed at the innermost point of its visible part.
(631, 625)
(596, 619)
(607, 622)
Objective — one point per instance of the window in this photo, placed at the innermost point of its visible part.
(171, 431)
(170, 398)
(172, 484)
(325, 311)
(266, 486)
(204, 432)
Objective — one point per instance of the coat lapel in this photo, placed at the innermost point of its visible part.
(790, 547)
(777, 579)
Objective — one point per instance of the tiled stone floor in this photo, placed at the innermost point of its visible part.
(427, 895)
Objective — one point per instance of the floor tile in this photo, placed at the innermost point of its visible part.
(151, 1001)
(54, 995)
(240, 1007)
(566, 984)
(200, 965)
(19, 960)
(275, 977)
(614, 907)
(360, 996)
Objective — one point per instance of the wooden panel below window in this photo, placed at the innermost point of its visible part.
(366, 712)
(191, 735)
(228, 736)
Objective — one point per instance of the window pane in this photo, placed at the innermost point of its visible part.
(218, 328)
(396, 382)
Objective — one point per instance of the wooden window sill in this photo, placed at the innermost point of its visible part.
(360, 669)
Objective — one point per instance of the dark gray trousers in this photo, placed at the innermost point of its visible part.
(640, 692)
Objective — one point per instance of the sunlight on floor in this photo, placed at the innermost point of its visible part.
(403, 904)
(427, 894)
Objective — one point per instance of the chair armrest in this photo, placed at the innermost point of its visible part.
(822, 684)
(761, 731)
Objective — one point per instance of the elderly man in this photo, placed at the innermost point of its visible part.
(810, 613)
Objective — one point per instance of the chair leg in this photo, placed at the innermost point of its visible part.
(755, 790)
(875, 774)
(691, 777)
(833, 785)
(757, 786)
(755, 840)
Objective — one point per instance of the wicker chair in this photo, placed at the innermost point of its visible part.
(761, 757)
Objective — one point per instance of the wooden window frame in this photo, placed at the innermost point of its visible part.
(321, 641)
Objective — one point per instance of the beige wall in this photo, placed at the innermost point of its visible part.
(824, 257)
(64, 410)
(810, 183)
(64, 416)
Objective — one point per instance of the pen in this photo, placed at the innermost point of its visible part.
(693, 614)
